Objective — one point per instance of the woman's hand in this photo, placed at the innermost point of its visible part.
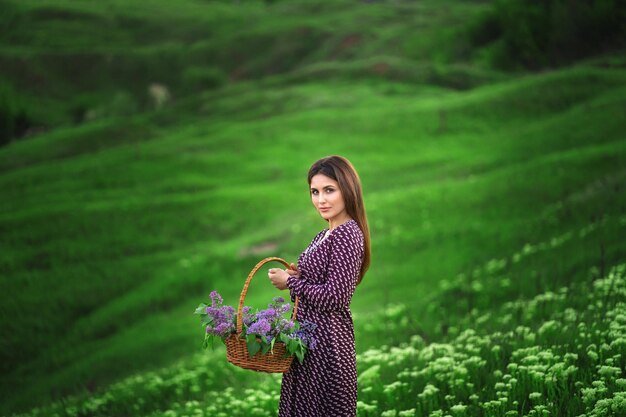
(278, 277)
(293, 271)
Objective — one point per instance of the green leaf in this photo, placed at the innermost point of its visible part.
(254, 349)
(292, 346)
(272, 345)
(253, 345)
(208, 338)
(300, 355)
(265, 347)
(201, 309)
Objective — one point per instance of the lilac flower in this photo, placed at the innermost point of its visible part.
(221, 330)
(306, 334)
(268, 314)
(261, 327)
(279, 299)
(284, 326)
(216, 299)
(247, 317)
(220, 314)
(221, 318)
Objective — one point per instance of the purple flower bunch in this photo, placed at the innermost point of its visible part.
(218, 319)
(269, 326)
(261, 329)
(221, 317)
(269, 323)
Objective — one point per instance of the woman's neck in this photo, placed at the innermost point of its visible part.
(332, 225)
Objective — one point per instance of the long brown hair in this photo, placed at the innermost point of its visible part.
(341, 170)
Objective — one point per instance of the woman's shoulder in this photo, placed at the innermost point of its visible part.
(348, 240)
(349, 230)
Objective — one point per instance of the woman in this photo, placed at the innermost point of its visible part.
(328, 271)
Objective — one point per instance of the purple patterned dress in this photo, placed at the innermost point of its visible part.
(325, 384)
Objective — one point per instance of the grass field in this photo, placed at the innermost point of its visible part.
(496, 205)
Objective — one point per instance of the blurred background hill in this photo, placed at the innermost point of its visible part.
(154, 151)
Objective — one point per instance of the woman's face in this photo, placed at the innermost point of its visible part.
(327, 197)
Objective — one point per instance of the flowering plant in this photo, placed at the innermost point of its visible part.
(261, 330)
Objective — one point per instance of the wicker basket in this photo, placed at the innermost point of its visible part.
(237, 348)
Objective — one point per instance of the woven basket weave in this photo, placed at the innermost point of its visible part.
(237, 348)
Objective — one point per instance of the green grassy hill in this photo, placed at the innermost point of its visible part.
(74, 62)
(487, 193)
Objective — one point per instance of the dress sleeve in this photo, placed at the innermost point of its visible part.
(343, 272)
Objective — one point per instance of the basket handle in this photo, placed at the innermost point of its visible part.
(244, 291)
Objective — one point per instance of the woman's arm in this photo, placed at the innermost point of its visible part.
(343, 273)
